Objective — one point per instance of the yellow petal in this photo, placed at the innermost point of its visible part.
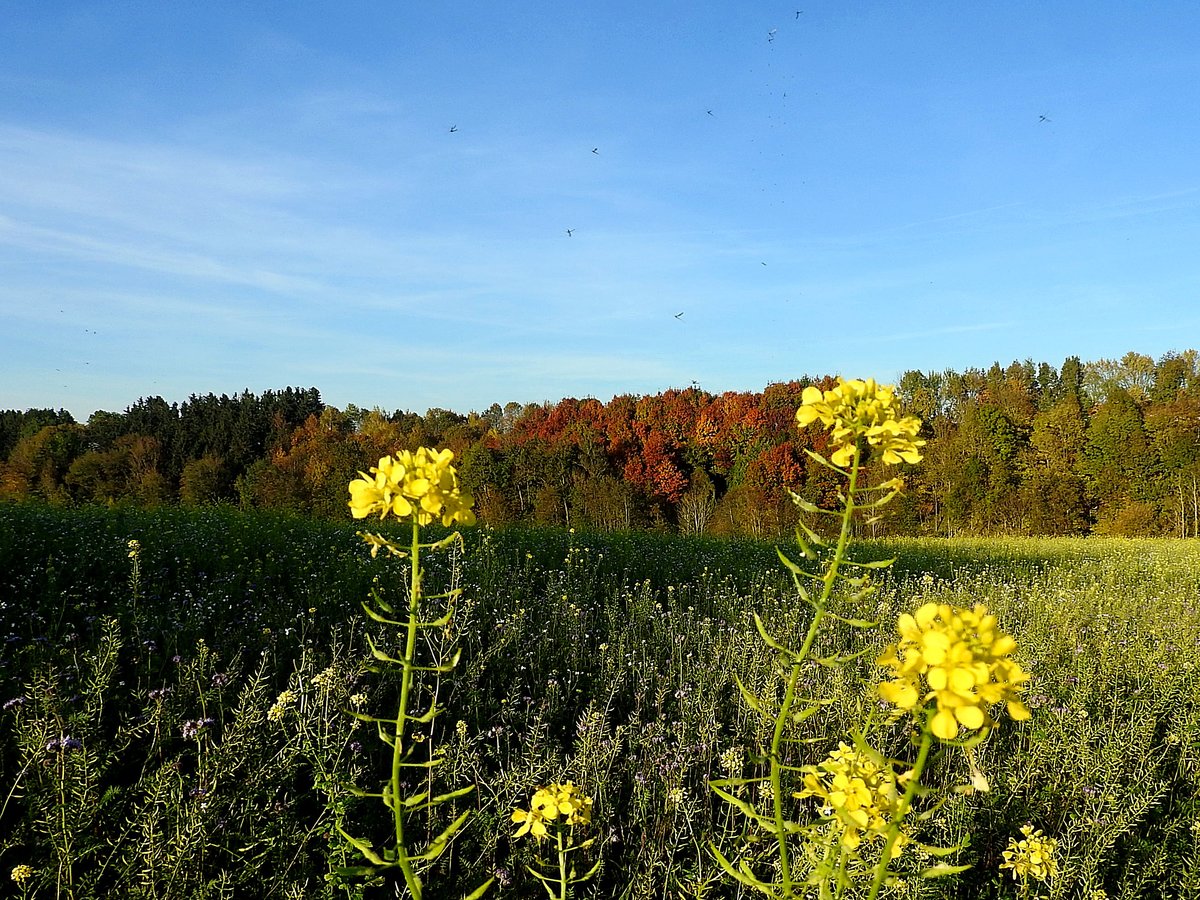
(972, 717)
(1018, 711)
(944, 725)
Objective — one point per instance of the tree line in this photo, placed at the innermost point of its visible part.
(1108, 447)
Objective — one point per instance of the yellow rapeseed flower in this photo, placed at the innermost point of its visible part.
(21, 874)
(957, 658)
(858, 409)
(859, 795)
(532, 822)
(422, 486)
(1032, 857)
(280, 707)
(549, 804)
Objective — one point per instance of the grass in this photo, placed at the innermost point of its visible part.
(609, 660)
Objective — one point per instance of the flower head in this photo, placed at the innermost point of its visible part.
(862, 409)
(422, 486)
(1032, 857)
(193, 728)
(21, 874)
(280, 707)
(958, 658)
(857, 793)
(565, 802)
(532, 822)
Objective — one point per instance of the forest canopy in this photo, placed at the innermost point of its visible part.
(1107, 447)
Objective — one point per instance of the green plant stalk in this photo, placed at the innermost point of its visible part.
(406, 679)
(562, 865)
(789, 696)
(910, 791)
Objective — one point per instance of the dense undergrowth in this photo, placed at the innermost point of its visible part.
(175, 724)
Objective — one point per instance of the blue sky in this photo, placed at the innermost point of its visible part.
(374, 198)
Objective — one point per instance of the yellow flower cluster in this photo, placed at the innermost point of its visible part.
(857, 793)
(1032, 857)
(21, 874)
(965, 665)
(280, 707)
(862, 409)
(421, 485)
(548, 804)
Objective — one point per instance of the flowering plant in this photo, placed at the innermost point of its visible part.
(948, 669)
(1031, 858)
(420, 488)
(558, 810)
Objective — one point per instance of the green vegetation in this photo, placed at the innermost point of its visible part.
(179, 727)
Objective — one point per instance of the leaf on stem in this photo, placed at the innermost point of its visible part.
(363, 846)
(826, 463)
(853, 623)
(378, 617)
(479, 891)
(752, 701)
(942, 870)
(771, 642)
(438, 845)
(876, 564)
(742, 873)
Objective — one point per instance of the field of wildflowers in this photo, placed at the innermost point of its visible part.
(195, 704)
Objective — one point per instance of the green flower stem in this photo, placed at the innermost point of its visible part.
(406, 681)
(562, 865)
(789, 696)
(910, 791)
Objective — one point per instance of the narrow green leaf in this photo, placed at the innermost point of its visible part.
(793, 567)
(798, 717)
(746, 878)
(853, 623)
(442, 798)
(438, 845)
(941, 870)
(826, 463)
(877, 564)
(746, 809)
(587, 876)
(355, 871)
(752, 701)
(363, 846)
(770, 641)
(805, 505)
(380, 655)
(378, 617)
(443, 620)
(944, 851)
(479, 891)
(410, 802)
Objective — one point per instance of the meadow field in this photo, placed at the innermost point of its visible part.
(176, 712)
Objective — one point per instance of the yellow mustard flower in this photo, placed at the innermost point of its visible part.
(1031, 857)
(549, 804)
(280, 707)
(532, 822)
(963, 662)
(21, 874)
(857, 794)
(422, 486)
(858, 409)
